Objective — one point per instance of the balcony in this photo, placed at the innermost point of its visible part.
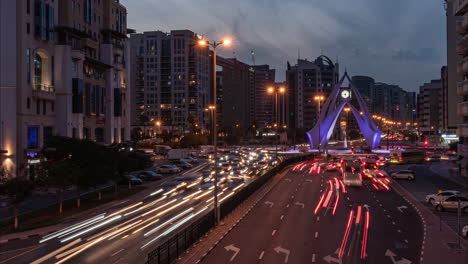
(462, 130)
(462, 88)
(463, 109)
(43, 92)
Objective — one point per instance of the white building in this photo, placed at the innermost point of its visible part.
(63, 72)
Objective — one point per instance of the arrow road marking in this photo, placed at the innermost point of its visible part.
(392, 256)
(308, 180)
(279, 249)
(300, 204)
(287, 179)
(330, 259)
(400, 208)
(232, 248)
(366, 206)
(269, 203)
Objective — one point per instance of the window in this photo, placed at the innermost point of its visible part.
(73, 132)
(99, 134)
(28, 103)
(52, 106)
(28, 28)
(28, 65)
(47, 134)
(44, 107)
(33, 138)
(28, 7)
(85, 133)
(38, 107)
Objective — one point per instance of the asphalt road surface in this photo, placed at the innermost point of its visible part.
(295, 223)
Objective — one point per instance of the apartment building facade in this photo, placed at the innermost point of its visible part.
(66, 74)
(171, 76)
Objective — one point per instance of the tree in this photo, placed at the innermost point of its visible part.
(18, 189)
(192, 140)
(61, 175)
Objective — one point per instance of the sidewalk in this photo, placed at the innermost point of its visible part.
(201, 248)
(437, 246)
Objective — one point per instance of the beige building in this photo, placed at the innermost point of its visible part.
(64, 71)
(460, 9)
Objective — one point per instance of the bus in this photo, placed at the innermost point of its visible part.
(407, 156)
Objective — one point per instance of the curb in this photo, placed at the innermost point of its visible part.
(37, 235)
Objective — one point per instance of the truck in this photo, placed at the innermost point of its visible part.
(161, 149)
(178, 154)
(207, 149)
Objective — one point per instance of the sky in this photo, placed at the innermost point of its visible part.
(399, 42)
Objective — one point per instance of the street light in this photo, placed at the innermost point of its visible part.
(319, 99)
(277, 90)
(346, 109)
(215, 45)
(158, 124)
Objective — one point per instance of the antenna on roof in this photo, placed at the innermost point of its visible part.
(252, 53)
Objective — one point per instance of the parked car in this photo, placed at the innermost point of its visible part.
(465, 231)
(149, 176)
(404, 174)
(182, 164)
(190, 160)
(452, 203)
(133, 180)
(441, 196)
(168, 169)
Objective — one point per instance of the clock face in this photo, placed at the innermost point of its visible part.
(345, 94)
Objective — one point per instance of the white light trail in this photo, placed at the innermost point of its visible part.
(169, 221)
(92, 228)
(72, 228)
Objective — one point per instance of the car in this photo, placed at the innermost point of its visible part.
(404, 174)
(452, 203)
(433, 158)
(367, 174)
(331, 167)
(149, 176)
(190, 160)
(130, 179)
(440, 196)
(168, 169)
(465, 231)
(182, 164)
(226, 167)
(352, 178)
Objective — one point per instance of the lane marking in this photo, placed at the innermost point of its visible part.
(117, 252)
(287, 206)
(316, 234)
(273, 233)
(313, 257)
(318, 218)
(261, 255)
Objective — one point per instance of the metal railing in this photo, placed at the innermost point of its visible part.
(170, 250)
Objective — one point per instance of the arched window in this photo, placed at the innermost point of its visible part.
(38, 68)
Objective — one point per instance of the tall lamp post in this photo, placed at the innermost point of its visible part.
(346, 109)
(158, 125)
(215, 45)
(319, 99)
(276, 90)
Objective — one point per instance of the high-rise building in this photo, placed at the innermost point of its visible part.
(262, 105)
(64, 71)
(392, 102)
(458, 20)
(364, 84)
(172, 80)
(237, 83)
(430, 109)
(305, 80)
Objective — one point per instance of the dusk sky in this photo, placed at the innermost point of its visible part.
(395, 41)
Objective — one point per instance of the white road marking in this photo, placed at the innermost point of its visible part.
(313, 257)
(316, 234)
(287, 206)
(281, 217)
(117, 252)
(261, 255)
(273, 233)
(232, 248)
(318, 218)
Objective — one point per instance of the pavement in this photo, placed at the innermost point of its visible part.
(294, 223)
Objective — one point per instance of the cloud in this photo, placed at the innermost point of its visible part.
(382, 39)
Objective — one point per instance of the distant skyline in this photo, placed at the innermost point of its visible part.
(398, 42)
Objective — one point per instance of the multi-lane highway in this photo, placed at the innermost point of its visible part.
(311, 217)
(128, 231)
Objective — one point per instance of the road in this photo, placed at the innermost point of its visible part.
(127, 232)
(429, 182)
(294, 223)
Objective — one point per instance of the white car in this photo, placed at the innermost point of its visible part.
(441, 196)
(404, 174)
(168, 169)
(190, 160)
(465, 231)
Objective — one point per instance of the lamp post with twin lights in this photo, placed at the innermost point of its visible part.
(277, 90)
(319, 99)
(214, 45)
